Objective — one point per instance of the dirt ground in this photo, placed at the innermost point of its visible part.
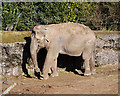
(105, 81)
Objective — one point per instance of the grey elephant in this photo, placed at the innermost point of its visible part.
(66, 38)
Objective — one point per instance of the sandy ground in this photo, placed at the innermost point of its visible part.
(105, 81)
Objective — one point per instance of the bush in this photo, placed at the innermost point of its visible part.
(97, 16)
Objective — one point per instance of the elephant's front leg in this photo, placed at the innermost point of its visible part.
(50, 60)
(54, 69)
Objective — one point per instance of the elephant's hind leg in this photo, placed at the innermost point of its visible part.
(86, 57)
(92, 65)
(87, 68)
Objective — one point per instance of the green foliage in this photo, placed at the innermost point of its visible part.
(97, 16)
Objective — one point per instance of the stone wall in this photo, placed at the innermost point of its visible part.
(16, 54)
(11, 58)
(107, 48)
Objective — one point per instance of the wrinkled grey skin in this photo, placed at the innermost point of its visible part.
(66, 38)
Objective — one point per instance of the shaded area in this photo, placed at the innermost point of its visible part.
(64, 61)
(26, 55)
(70, 63)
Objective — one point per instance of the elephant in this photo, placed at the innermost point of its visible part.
(69, 38)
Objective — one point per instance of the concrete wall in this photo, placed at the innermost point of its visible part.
(16, 54)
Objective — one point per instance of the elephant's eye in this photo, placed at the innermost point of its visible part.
(37, 32)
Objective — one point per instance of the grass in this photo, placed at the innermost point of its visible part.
(18, 36)
(62, 72)
(107, 67)
(106, 32)
(11, 37)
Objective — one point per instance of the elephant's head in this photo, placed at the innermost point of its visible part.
(41, 35)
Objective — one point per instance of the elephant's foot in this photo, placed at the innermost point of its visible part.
(55, 74)
(87, 73)
(41, 78)
(45, 77)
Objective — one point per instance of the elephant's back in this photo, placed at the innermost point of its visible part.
(75, 29)
(71, 29)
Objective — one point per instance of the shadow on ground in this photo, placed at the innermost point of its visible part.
(64, 61)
